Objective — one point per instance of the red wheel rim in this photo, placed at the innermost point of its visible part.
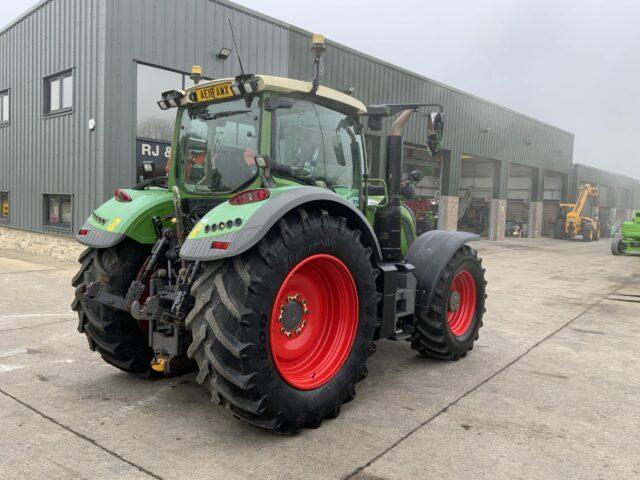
(313, 321)
(462, 303)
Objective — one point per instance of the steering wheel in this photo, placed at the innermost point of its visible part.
(307, 164)
(150, 182)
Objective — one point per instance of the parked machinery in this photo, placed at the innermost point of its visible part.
(473, 213)
(571, 222)
(263, 261)
(628, 240)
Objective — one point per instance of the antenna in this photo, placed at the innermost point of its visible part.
(236, 46)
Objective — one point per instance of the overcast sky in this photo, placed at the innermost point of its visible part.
(572, 63)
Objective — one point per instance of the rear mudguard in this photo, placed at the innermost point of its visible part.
(237, 228)
(429, 254)
(110, 223)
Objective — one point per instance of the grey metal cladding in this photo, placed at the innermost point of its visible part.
(265, 218)
(53, 154)
(511, 137)
(98, 238)
(101, 41)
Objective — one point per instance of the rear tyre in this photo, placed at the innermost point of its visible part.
(596, 234)
(281, 333)
(616, 246)
(587, 232)
(449, 327)
(114, 334)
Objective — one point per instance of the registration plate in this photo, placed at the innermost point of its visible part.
(214, 92)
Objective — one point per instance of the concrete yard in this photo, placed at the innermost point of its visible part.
(552, 389)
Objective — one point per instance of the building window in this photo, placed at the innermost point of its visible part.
(4, 107)
(154, 127)
(4, 206)
(153, 123)
(58, 93)
(58, 211)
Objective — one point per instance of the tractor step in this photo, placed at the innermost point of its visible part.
(398, 300)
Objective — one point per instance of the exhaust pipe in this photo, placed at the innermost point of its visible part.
(388, 220)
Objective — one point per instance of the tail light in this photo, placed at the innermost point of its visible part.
(122, 196)
(250, 196)
(82, 232)
(219, 245)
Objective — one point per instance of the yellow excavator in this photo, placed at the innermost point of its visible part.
(571, 223)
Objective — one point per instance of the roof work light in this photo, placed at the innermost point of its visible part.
(170, 99)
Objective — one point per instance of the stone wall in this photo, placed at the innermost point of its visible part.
(64, 248)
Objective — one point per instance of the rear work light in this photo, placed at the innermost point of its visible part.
(250, 196)
(170, 99)
(219, 245)
(122, 196)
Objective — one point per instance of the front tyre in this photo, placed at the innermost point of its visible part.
(617, 246)
(449, 327)
(281, 333)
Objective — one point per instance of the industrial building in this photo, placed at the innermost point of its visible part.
(79, 81)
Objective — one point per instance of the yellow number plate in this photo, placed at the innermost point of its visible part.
(214, 92)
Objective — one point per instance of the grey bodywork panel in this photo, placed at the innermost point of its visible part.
(98, 238)
(266, 217)
(430, 254)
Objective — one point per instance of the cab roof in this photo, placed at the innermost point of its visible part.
(289, 85)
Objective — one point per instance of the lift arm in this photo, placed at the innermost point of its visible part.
(586, 191)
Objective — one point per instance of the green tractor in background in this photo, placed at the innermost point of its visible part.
(628, 240)
(268, 260)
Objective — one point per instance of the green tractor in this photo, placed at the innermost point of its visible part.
(628, 241)
(268, 260)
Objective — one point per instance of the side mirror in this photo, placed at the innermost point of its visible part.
(435, 130)
(338, 150)
(274, 103)
(374, 123)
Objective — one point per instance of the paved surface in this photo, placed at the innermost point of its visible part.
(552, 390)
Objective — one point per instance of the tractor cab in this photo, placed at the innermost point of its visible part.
(260, 131)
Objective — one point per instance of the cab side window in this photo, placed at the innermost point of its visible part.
(317, 142)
